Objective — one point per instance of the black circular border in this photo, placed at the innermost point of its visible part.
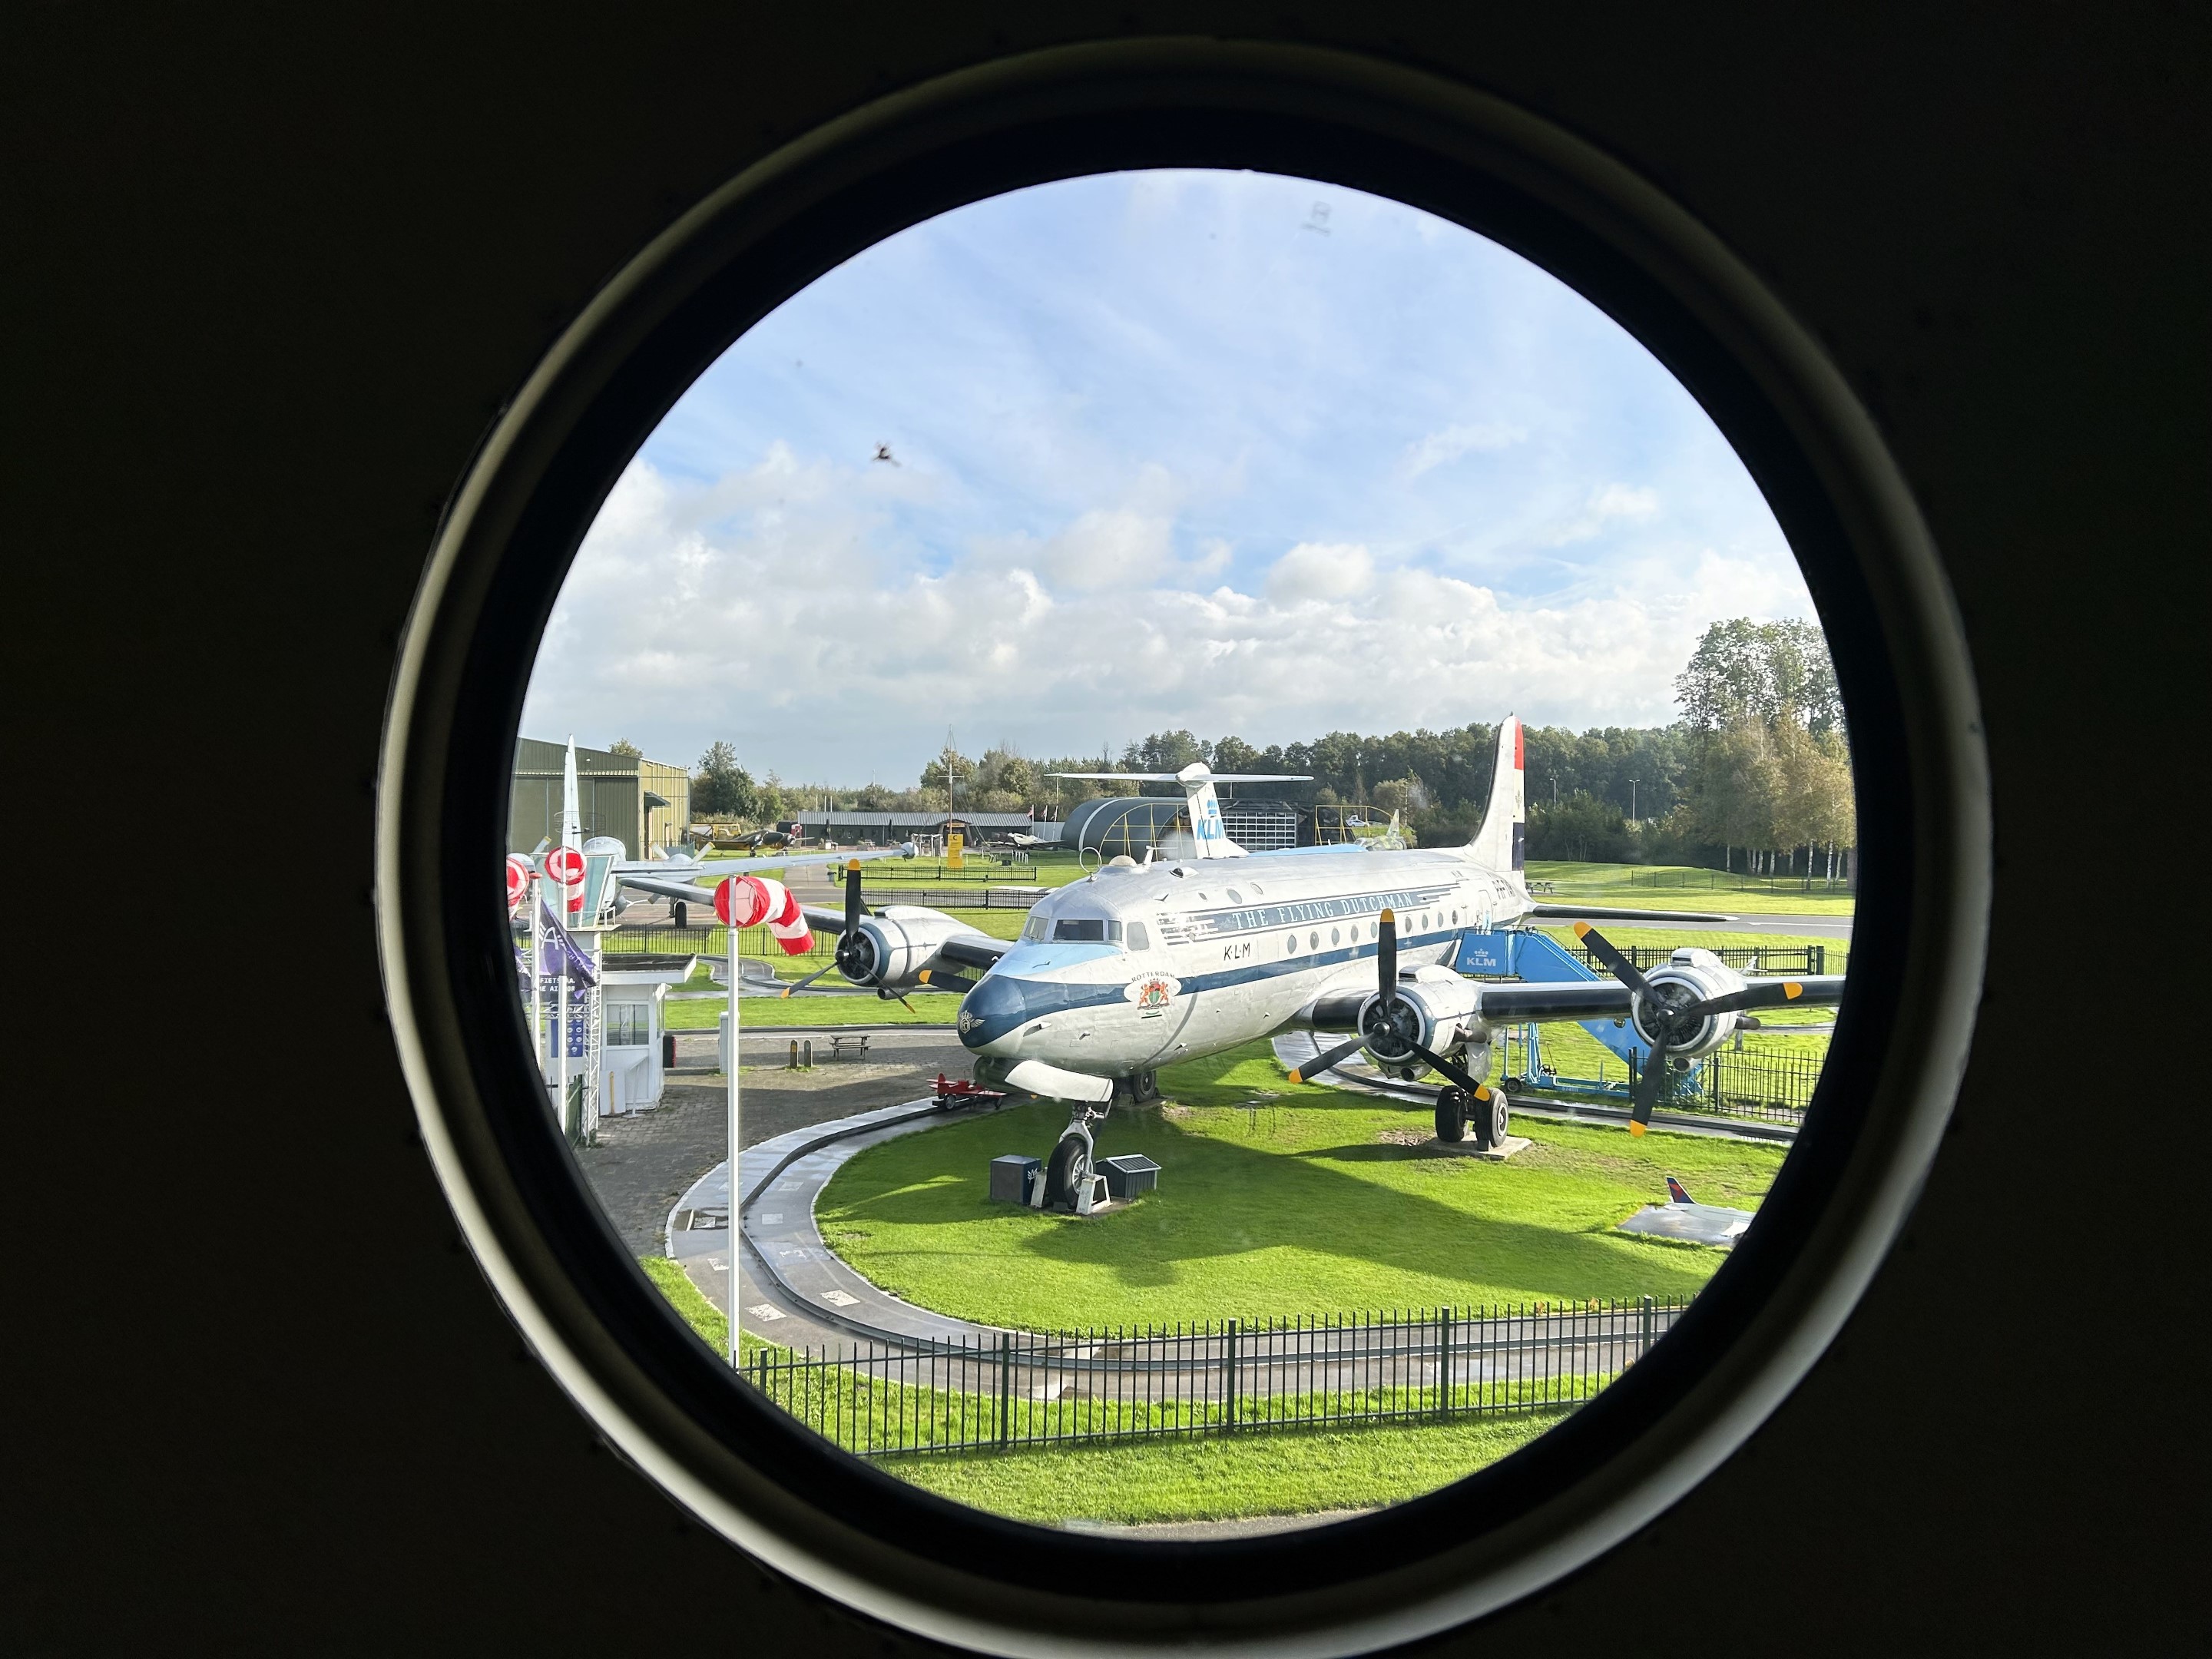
(1900, 1041)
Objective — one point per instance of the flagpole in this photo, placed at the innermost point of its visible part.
(568, 970)
(736, 1144)
(537, 901)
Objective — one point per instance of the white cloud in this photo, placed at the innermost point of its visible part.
(803, 630)
(1614, 500)
(1438, 448)
(1320, 570)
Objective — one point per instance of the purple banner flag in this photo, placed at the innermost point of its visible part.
(564, 958)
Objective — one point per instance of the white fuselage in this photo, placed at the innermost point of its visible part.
(1135, 967)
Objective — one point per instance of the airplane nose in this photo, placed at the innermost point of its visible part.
(991, 1016)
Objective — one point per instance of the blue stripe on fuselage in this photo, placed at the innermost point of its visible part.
(1002, 1001)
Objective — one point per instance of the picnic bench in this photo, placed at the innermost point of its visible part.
(854, 1043)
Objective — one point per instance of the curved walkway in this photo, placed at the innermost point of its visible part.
(785, 1270)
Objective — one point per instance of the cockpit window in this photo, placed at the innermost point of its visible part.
(1139, 939)
(1085, 929)
(1037, 928)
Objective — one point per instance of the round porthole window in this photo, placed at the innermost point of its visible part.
(532, 1024)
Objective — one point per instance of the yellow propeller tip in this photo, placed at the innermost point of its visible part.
(1581, 928)
(1295, 1078)
(1388, 915)
(1793, 990)
(1634, 1127)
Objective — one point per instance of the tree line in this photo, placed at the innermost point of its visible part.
(1755, 775)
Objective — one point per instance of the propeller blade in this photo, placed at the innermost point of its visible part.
(1607, 952)
(936, 981)
(801, 984)
(853, 910)
(1438, 1063)
(1313, 1068)
(1752, 996)
(1649, 1081)
(1386, 954)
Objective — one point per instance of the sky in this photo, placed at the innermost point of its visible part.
(1227, 451)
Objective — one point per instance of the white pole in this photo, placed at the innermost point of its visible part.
(561, 1042)
(736, 1145)
(536, 974)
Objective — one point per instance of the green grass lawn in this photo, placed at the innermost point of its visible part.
(702, 1013)
(1297, 1207)
(1676, 887)
(1281, 1472)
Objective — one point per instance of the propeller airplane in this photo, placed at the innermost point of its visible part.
(1137, 965)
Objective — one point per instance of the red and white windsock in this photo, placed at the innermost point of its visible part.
(518, 881)
(564, 866)
(756, 901)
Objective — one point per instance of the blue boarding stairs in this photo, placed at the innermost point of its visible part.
(1516, 953)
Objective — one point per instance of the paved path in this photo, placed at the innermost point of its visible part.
(792, 1288)
(644, 1160)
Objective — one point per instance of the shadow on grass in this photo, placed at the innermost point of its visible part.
(1223, 1199)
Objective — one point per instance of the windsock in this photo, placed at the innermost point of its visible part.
(518, 881)
(564, 867)
(754, 901)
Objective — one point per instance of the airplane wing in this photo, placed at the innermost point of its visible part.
(971, 950)
(1604, 999)
(1557, 1000)
(709, 873)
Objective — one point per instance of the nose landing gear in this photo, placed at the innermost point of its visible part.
(1067, 1173)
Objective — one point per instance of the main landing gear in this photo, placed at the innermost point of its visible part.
(1457, 1111)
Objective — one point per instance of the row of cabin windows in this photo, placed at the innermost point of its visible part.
(1080, 930)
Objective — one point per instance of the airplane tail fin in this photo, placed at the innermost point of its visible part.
(1502, 842)
(1676, 1194)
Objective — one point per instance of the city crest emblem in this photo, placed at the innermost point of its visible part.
(1154, 993)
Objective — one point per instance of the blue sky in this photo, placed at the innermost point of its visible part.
(1224, 451)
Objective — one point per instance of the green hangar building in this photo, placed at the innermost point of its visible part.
(642, 804)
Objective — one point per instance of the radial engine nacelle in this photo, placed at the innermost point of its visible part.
(1690, 975)
(888, 950)
(1436, 1011)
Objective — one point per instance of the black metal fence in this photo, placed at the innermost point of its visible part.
(958, 898)
(1747, 958)
(1776, 1088)
(1009, 1389)
(1738, 881)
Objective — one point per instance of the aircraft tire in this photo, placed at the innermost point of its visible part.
(1144, 1086)
(1451, 1115)
(1492, 1120)
(683, 917)
(1065, 1172)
